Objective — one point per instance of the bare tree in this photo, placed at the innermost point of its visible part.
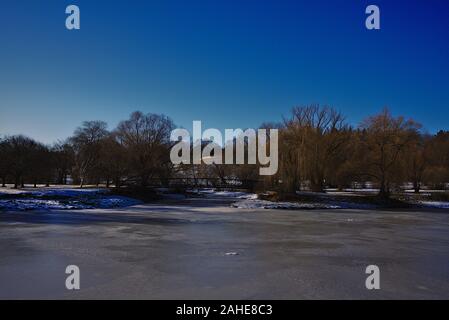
(64, 160)
(436, 172)
(5, 160)
(86, 142)
(314, 138)
(41, 165)
(114, 161)
(383, 140)
(147, 139)
(22, 158)
(416, 159)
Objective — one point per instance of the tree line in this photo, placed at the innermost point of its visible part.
(317, 149)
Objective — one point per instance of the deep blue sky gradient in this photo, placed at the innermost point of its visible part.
(228, 63)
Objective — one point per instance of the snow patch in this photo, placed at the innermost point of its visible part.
(225, 194)
(265, 204)
(63, 199)
(436, 204)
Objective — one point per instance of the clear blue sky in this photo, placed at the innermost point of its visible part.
(229, 63)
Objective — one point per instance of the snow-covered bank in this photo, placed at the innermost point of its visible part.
(61, 199)
(60, 192)
(224, 194)
(246, 200)
(265, 204)
(435, 204)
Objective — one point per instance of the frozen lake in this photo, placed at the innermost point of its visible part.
(204, 249)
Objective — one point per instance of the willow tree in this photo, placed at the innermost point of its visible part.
(315, 138)
(384, 140)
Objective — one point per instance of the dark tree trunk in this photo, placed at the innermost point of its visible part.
(416, 186)
(60, 178)
(317, 185)
(384, 191)
(144, 181)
